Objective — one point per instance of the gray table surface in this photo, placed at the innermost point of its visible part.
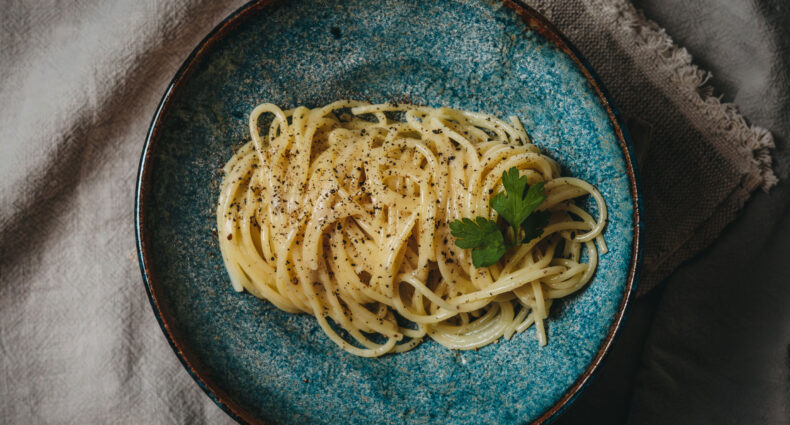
(712, 344)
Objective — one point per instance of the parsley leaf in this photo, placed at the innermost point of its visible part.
(516, 205)
(488, 256)
(534, 224)
(518, 200)
(483, 237)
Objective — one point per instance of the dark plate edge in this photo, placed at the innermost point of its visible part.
(535, 21)
(185, 356)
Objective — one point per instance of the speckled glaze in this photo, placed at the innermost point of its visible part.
(266, 366)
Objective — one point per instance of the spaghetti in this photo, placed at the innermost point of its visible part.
(342, 212)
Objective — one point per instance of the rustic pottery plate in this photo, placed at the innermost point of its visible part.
(265, 366)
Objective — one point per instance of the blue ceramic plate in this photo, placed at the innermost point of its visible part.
(266, 366)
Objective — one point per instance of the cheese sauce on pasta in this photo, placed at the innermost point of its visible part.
(342, 212)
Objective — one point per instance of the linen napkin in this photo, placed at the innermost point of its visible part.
(79, 84)
(698, 158)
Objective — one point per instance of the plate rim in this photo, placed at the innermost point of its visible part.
(536, 22)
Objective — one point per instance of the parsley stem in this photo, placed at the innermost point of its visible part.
(515, 235)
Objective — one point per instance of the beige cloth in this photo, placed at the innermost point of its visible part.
(79, 84)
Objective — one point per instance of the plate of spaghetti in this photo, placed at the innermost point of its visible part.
(388, 212)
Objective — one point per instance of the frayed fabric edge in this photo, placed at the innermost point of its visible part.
(754, 142)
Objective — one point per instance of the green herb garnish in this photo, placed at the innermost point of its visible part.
(482, 236)
(516, 205)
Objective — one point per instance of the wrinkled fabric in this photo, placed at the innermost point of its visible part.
(718, 350)
(79, 84)
(699, 160)
(711, 345)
